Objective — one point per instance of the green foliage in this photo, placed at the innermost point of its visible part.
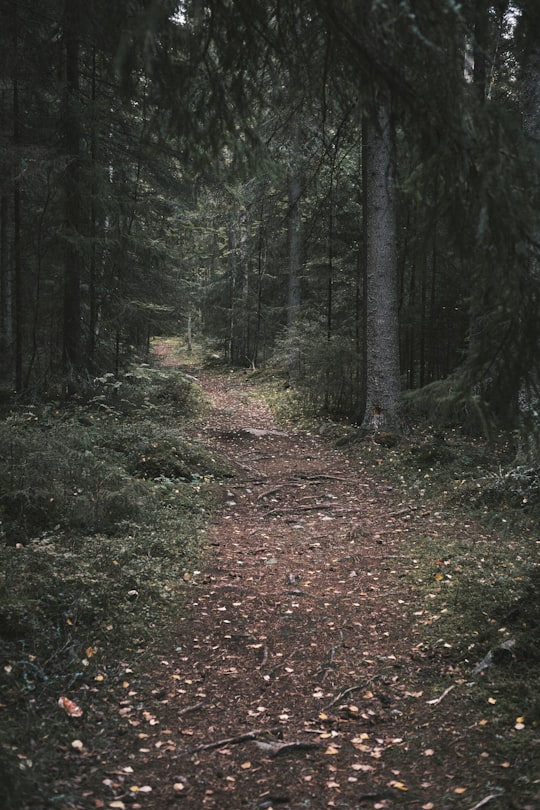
(103, 505)
(323, 369)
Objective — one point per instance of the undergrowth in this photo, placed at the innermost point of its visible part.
(102, 506)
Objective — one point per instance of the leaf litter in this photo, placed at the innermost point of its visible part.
(305, 689)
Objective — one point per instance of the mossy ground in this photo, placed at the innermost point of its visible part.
(102, 507)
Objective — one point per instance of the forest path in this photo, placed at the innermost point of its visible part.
(299, 677)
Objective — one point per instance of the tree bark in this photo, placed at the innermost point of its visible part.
(382, 368)
(72, 354)
(529, 394)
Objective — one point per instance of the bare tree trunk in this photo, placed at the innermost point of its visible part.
(529, 395)
(72, 354)
(295, 240)
(383, 386)
(6, 309)
(17, 257)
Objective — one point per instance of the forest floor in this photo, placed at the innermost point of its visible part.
(305, 671)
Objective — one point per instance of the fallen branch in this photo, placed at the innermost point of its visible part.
(350, 690)
(294, 509)
(485, 801)
(328, 477)
(249, 735)
(436, 701)
(264, 658)
(189, 709)
(275, 489)
(274, 749)
(400, 512)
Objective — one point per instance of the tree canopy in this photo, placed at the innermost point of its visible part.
(208, 165)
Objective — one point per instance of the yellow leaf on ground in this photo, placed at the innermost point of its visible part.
(398, 785)
(245, 766)
(332, 750)
(460, 790)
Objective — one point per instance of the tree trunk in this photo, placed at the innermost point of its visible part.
(295, 183)
(72, 354)
(295, 244)
(383, 387)
(529, 394)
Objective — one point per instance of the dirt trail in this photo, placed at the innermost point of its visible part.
(301, 648)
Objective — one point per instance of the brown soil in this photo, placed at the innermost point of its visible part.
(300, 676)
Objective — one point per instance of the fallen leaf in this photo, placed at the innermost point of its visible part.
(493, 701)
(78, 745)
(245, 766)
(91, 651)
(70, 707)
(460, 790)
(118, 805)
(331, 750)
(178, 787)
(429, 752)
(428, 806)
(398, 785)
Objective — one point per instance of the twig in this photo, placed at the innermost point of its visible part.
(485, 801)
(275, 489)
(436, 701)
(350, 690)
(189, 709)
(250, 735)
(274, 749)
(294, 509)
(264, 658)
(327, 477)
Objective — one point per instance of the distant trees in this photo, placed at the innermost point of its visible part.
(202, 167)
(86, 190)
